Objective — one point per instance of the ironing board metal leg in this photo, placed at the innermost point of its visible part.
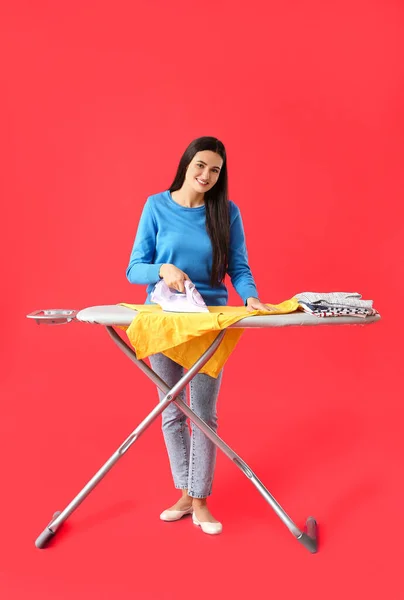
(60, 517)
(308, 538)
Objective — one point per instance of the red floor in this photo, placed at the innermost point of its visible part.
(323, 435)
(98, 102)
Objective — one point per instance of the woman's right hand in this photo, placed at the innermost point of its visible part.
(173, 277)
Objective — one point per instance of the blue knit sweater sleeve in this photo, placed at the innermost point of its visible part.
(141, 269)
(168, 233)
(238, 267)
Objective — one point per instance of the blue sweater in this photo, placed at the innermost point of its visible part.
(174, 234)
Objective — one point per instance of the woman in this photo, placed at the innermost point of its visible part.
(192, 231)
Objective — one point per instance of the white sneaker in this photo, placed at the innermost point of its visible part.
(210, 528)
(175, 515)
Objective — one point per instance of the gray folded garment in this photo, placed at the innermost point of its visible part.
(335, 299)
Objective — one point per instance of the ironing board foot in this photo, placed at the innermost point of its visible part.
(47, 535)
(309, 538)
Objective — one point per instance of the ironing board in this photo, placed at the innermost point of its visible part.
(110, 316)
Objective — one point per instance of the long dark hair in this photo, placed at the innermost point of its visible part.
(216, 203)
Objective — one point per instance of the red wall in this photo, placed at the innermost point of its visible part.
(98, 102)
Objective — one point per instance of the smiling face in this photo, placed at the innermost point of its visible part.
(203, 171)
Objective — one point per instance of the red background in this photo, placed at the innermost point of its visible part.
(98, 102)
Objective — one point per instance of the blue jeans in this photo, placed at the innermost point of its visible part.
(192, 455)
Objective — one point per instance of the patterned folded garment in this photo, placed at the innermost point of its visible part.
(322, 310)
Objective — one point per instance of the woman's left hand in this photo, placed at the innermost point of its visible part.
(255, 304)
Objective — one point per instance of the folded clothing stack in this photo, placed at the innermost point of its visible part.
(336, 304)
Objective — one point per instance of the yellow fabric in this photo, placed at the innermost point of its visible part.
(184, 337)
